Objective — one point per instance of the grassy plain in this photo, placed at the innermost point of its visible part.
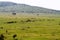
(30, 26)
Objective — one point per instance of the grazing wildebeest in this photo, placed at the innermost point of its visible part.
(13, 13)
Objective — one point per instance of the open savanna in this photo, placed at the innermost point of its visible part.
(30, 26)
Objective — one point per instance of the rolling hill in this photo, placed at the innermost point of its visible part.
(14, 7)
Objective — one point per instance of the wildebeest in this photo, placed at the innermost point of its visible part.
(13, 13)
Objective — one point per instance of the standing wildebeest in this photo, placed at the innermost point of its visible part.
(13, 13)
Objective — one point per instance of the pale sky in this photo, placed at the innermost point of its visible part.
(51, 4)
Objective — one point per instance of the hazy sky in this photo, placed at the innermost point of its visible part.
(53, 4)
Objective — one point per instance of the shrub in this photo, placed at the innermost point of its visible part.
(1, 27)
(11, 22)
(59, 23)
(14, 36)
(1, 37)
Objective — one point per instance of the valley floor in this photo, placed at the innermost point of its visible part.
(30, 27)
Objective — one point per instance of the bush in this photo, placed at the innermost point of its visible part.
(11, 22)
(14, 36)
(1, 37)
(1, 27)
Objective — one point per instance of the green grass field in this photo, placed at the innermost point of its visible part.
(30, 27)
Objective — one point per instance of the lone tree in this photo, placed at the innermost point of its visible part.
(13, 13)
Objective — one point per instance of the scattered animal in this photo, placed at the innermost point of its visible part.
(13, 13)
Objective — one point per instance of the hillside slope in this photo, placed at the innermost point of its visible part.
(14, 7)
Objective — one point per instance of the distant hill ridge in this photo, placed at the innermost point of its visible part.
(3, 4)
(14, 7)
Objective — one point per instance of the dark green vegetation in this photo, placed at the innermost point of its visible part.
(29, 27)
(30, 22)
(23, 8)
